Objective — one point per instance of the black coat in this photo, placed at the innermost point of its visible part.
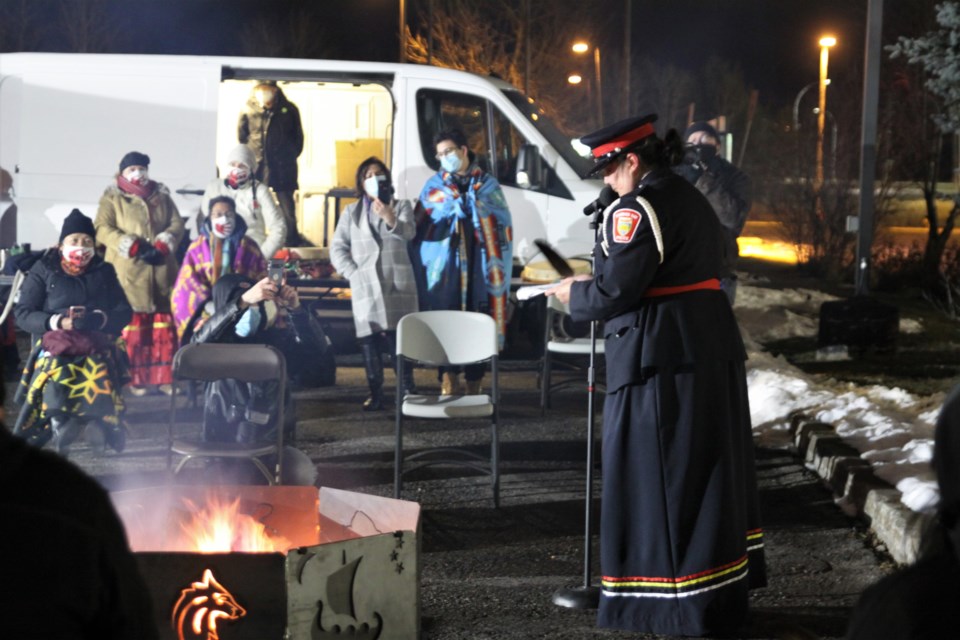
(275, 136)
(48, 290)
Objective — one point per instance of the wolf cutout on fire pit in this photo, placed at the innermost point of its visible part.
(343, 564)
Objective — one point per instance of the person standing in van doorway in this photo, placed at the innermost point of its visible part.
(726, 187)
(265, 223)
(140, 227)
(464, 245)
(270, 126)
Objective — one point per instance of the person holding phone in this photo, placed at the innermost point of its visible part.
(75, 308)
(369, 249)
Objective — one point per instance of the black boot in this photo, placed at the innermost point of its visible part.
(374, 366)
(408, 387)
(65, 431)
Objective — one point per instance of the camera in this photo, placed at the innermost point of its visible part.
(275, 272)
(76, 312)
(385, 192)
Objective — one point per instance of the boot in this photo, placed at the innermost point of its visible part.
(471, 387)
(450, 384)
(374, 366)
(409, 386)
(116, 436)
(65, 431)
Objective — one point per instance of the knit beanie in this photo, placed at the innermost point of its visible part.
(243, 153)
(701, 126)
(76, 222)
(134, 159)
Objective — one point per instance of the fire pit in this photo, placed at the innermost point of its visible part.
(265, 562)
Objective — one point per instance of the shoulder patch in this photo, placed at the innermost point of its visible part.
(625, 223)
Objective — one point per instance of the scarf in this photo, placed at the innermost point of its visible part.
(72, 269)
(141, 191)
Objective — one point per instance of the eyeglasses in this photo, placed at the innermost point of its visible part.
(443, 154)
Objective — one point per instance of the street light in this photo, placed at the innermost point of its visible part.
(825, 43)
(403, 30)
(582, 47)
(796, 103)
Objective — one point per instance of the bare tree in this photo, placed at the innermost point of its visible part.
(88, 26)
(488, 37)
(298, 33)
(665, 90)
(20, 28)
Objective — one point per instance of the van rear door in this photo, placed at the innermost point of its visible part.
(77, 115)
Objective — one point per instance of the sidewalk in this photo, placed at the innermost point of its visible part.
(490, 574)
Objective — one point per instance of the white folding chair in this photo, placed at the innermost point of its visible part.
(442, 339)
(555, 343)
(243, 362)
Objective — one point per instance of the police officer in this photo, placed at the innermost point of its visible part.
(726, 187)
(679, 525)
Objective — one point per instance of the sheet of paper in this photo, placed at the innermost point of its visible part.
(532, 291)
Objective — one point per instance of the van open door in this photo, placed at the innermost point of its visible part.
(72, 117)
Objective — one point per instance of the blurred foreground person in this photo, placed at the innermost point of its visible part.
(919, 602)
(68, 572)
(73, 305)
(680, 538)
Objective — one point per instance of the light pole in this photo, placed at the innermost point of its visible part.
(403, 31)
(825, 43)
(583, 47)
(796, 103)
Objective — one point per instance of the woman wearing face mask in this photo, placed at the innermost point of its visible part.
(369, 248)
(222, 248)
(74, 307)
(464, 245)
(255, 204)
(140, 227)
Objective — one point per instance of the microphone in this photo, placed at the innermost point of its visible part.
(607, 196)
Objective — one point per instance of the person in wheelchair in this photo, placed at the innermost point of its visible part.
(261, 312)
(73, 305)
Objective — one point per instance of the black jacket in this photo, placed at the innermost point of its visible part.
(48, 290)
(275, 136)
(663, 234)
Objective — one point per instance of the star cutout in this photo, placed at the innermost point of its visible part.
(399, 567)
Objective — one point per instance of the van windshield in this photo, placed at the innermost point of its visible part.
(560, 142)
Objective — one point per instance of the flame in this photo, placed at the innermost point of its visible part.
(220, 527)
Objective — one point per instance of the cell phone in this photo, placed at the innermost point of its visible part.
(76, 312)
(275, 272)
(385, 192)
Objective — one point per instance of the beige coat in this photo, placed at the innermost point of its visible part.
(122, 215)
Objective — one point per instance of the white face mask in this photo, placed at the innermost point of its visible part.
(223, 227)
(76, 255)
(138, 176)
(371, 185)
(238, 175)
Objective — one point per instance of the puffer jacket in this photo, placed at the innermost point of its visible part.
(48, 291)
(122, 215)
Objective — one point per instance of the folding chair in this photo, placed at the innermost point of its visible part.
(441, 339)
(243, 362)
(556, 343)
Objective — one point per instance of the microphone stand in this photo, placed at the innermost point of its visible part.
(586, 596)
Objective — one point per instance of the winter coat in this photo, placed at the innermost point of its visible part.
(376, 262)
(123, 215)
(276, 137)
(196, 278)
(48, 291)
(265, 224)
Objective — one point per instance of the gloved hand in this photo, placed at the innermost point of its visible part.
(689, 172)
(151, 255)
(91, 320)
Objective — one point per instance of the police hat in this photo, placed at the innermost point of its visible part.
(611, 142)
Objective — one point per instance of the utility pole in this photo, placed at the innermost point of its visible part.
(868, 144)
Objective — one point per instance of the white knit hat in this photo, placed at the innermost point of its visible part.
(242, 153)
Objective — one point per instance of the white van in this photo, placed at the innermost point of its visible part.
(67, 119)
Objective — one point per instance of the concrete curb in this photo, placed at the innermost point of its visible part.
(858, 491)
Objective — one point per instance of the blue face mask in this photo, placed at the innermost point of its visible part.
(248, 323)
(450, 163)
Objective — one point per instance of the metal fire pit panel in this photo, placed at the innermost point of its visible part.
(235, 595)
(365, 589)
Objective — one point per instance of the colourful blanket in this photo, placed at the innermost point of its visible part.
(446, 272)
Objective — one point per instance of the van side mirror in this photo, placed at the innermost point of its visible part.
(529, 167)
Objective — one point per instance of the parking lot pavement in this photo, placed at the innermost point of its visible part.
(489, 573)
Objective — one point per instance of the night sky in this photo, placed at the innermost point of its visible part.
(774, 41)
